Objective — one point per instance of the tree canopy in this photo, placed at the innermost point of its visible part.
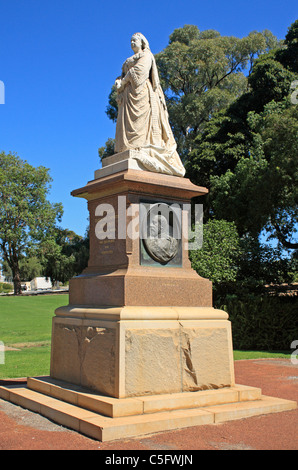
(247, 153)
(64, 255)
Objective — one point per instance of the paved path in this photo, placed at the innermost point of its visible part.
(22, 429)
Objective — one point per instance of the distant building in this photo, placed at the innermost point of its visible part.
(2, 278)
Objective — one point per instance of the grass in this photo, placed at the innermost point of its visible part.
(240, 355)
(26, 325)
(27, 362)
(27, 318)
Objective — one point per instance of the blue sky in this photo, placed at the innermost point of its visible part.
(59, 59)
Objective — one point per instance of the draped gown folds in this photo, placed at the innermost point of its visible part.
(142, 122)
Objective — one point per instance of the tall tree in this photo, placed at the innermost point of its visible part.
(26, 216)
(246, 154)
(30, 267)
(260, 191)
(288, 55)
(64, 255)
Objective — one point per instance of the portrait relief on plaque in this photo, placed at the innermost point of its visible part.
(161, 234)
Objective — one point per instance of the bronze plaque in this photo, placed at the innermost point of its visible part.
(160, 234)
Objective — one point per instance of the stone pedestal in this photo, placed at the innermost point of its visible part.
(138, 351)
(119, 272)
(136, 324)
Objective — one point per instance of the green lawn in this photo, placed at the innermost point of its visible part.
(28, 318)
(28, 362)
(26, 324)
(240, 355)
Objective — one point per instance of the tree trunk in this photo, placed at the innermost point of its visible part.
(17, 282)
(13, 262)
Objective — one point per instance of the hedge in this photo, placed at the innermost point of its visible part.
(263, 323)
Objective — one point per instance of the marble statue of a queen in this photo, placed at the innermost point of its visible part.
(142, 123)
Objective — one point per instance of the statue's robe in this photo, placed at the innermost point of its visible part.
(142, 122)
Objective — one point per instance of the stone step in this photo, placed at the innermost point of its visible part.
(134, 426)
(265, 405)
(117, 407)
(101, 427)
(106, 428)
(79, 396)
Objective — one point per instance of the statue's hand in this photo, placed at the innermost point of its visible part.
(119, 85)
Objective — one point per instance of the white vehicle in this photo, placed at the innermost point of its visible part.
(41, 283)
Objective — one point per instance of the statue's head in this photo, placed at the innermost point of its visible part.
(139, 37)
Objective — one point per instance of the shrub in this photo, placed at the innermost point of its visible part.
(5, 287)
(262, 323)
(217, 259)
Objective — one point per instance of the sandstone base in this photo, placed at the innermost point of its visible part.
(136, 351)
(105, 419)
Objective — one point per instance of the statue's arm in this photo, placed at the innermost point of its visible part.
(137, 74)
